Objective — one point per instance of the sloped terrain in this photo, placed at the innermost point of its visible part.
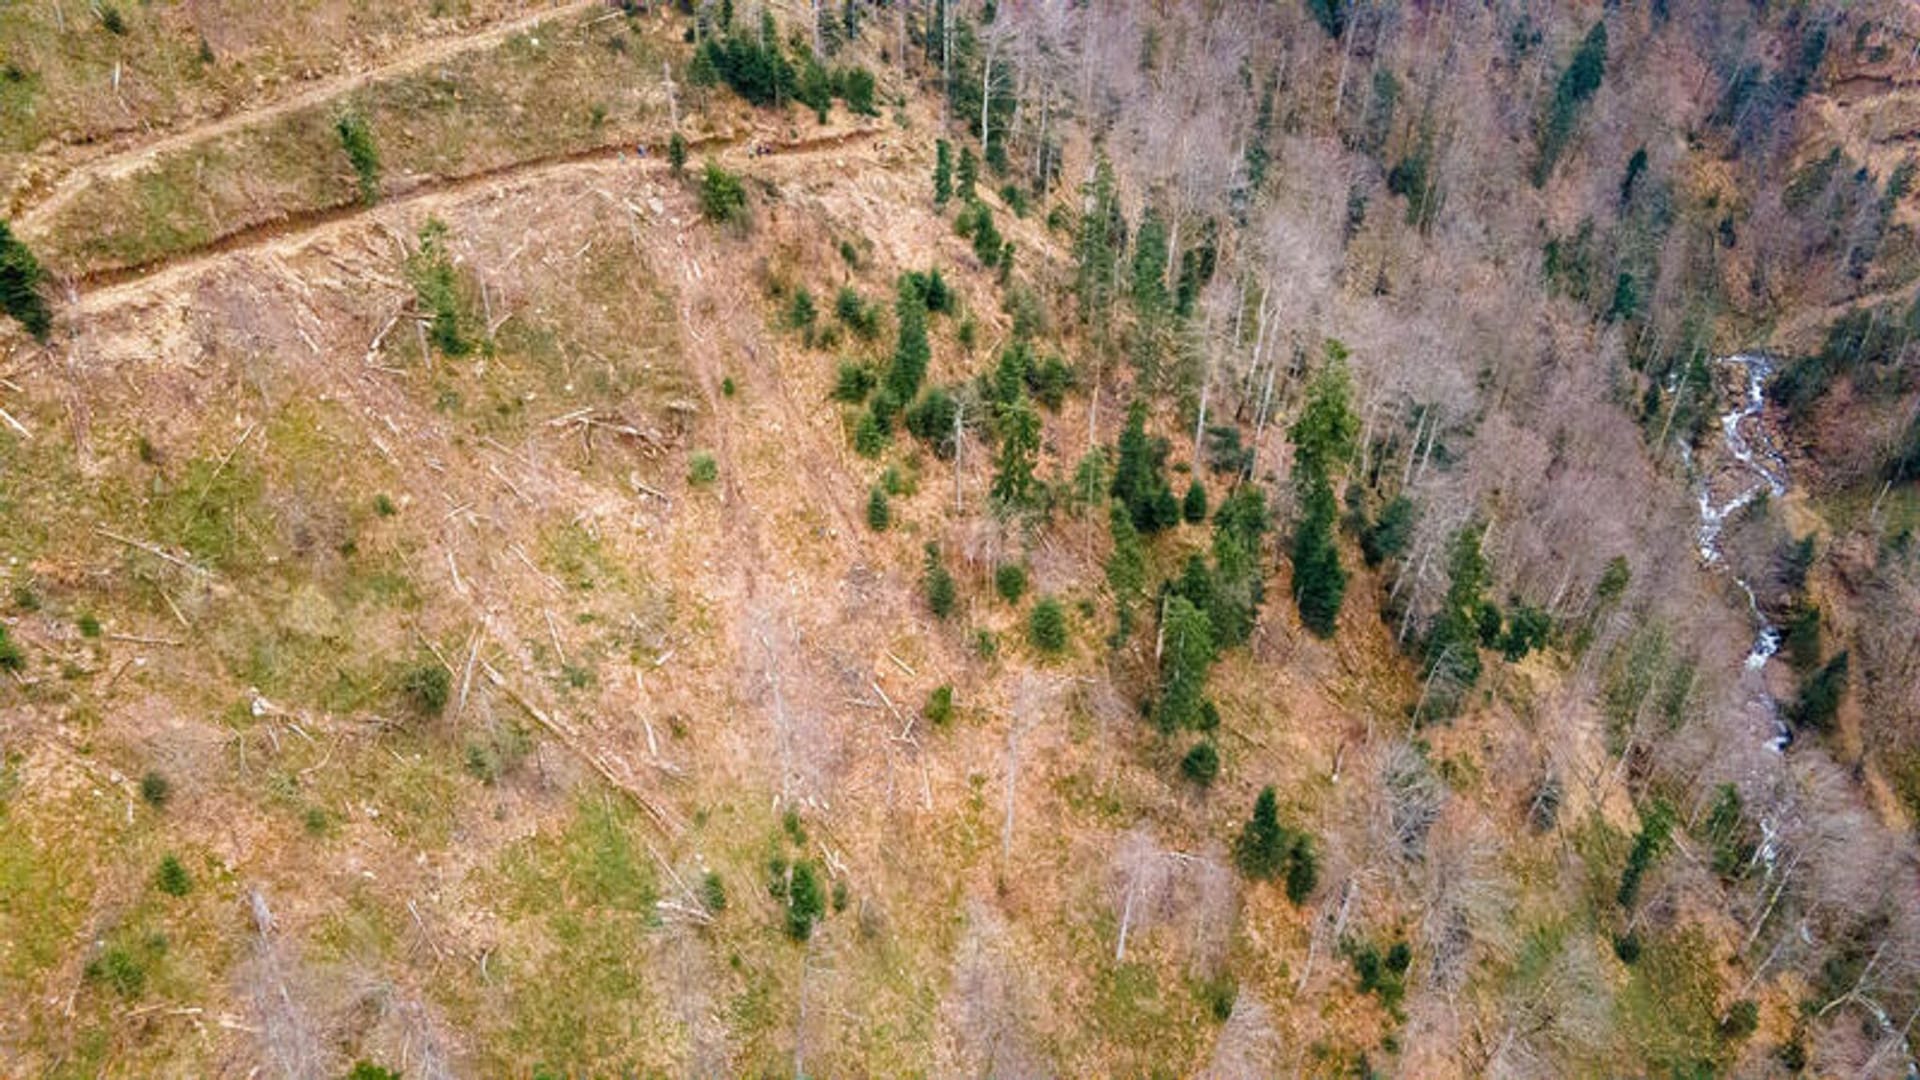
(470, 619)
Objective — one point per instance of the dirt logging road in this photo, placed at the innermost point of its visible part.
(129, 156)
(107, 288)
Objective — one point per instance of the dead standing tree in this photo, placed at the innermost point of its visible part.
(1033, 695)
(1141, 879)
(288, 1035)
(986, 1007)
(1248, 1047)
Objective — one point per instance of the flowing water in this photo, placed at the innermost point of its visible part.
(1762, 471)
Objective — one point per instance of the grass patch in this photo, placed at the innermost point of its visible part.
(580, 904)
(1668, 1010)
(212, 511)
(579, 559)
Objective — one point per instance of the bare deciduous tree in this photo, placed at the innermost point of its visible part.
(1248, 1047)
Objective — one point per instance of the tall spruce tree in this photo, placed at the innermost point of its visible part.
(942, 172)
(1138, 481)
(911, 352)
(1149, 272)
(1576, 84)
(1656, 831)
(1097, 245)
(1453, 647)
(1319, 581)
(1188, 637)
(1126, 569)
(1238, 588)
(1262, 848)
(1019, 430)
(1323, 442)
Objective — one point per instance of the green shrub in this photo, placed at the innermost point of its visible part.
(941, 594)
(968, 174)
(172, 878)
(120, 968)
(1382, 975)
(855, 85)
(939, 707)
(437, 289)
(911, 351)
(155, 789)
(942, 172)
(805, 905)
(1528, 628)
(1201, 763)
(367, 1070)
(1802, 637)
(112, 20)
(1303, 872)
(357, 139)
(428, 686)
(1389, 534)
(1742, 1019)
(702, 469)
(11, 658)
(713, 892)
(723, 198)
(933, 419)
(976, 223)
(1577, 83)
(89, 626)
(383, 506)
(801, 314)
(1820, 696)
(751, 63)
(1138, 481)
(1047, 626)
(1264, 844)
(986, 643)
(1193, 508)
(859, 316)
(1189, 652)
(1656, 830)
(852, 382)
(1010, 581)
(21, 278)
(870, 434)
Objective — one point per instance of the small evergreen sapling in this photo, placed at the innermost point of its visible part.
(1010, 581)
(941, 594)
(1201, 764)
(1047, 626)
(1194, 507)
